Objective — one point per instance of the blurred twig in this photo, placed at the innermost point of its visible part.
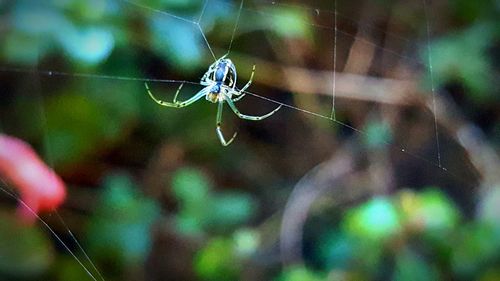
(316, 82)
(314, 184)
(471, 138)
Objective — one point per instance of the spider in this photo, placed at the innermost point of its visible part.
(220, 87)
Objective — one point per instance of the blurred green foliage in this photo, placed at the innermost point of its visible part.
(288, 23)
(218, 261)
(474, 69)
(410, 265)
(298, 273)
(431, 211)
(39, 29)
(420, 231)
(26, 251)
(375, 220)
(464, 56)
(87, 32)
(79, 121)
(202, 210)
(120, 227)
(389, 226)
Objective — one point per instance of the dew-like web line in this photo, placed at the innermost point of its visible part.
(159, 11)
(431, 74)
(6, 189)
(235, 28)
(100, 76)
(203, 10)
(334, 86)
(110, 77)
(241, 7)
(87, 257)
(92, 76)
(50, 161)
(206, 41)
(196, 23)
(340, 31)
(361, 132)
(339, 14)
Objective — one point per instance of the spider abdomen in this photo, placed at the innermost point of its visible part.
(213, 95)
(224, 73)
(221, 72)
(215, 89)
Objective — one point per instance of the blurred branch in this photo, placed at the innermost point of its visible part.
(470, 137)
(315, 183)
(349, 86)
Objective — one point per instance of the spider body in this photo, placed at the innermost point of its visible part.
(220, 86)
(224, 74)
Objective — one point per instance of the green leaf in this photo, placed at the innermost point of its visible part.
(474, 68)
(410, 266)
(190, 186)
(492, 274)
(22, 49)
(299, 273)
(87, 45)
(25, 251)
(288, 22)
(217, 261)
(80, 124)
(246, 241)
(189, 222)
(337, 249)
(437, 210)
(431, 211)
(472, 10)
(476, 245)
(121, 224)
(179, 42)
(231, 209)
(74, 127)
(375, 220)
(36, 18)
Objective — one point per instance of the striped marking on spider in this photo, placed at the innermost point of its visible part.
(220, 87)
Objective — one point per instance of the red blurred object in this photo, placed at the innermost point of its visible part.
(39, 186)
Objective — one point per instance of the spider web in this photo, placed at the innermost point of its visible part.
(330, 28)
(262, 9)
(196, 23)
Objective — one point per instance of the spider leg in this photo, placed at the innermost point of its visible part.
(219, 122)
(234, 95)
(241, 93)
(249, 81)
(207, 74)
(175, 103)
(239, 97)
(250, 117)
